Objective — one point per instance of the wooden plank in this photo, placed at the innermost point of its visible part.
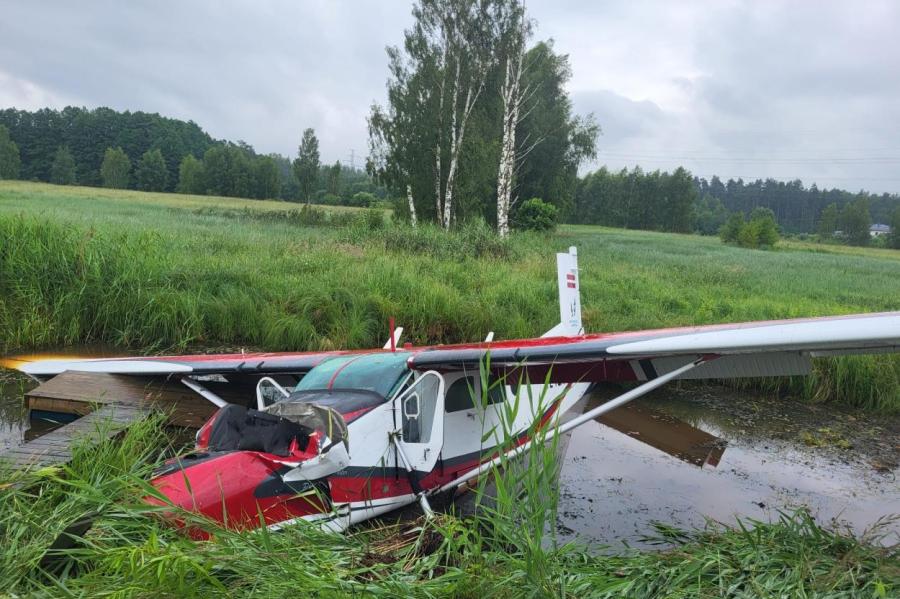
(56, 446)
(80, 392)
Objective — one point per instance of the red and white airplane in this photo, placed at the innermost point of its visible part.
(340, 437)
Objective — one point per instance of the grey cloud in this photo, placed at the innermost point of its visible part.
(736, 88)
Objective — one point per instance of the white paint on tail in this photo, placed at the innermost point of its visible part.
(569, 285)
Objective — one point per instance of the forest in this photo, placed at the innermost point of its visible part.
(146, 151)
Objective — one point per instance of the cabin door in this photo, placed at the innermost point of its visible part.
(422, 418)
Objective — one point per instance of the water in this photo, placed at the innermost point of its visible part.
(842, 466)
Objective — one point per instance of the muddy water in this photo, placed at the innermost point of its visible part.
(773, 455)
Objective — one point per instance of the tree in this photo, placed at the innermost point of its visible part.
(553, 142)
(855, 222)
(88, 133)
(709, 215)
(62, 171)
(436, 82)
(151, 172)
(894, 239)
(10, 162)
(333, 185)
(306, 166)
(190, 176)
(437, 142)
(228, 171)
(513, 94)
(828, 222)
(266, 178)
(115, 169)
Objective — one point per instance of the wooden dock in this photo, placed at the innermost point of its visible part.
(79, 392)
(56, 446)
(107, 404)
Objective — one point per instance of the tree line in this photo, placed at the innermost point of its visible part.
(138, 150)
(797, 208)
(679, 202)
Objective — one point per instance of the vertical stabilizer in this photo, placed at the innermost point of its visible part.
(569, 295)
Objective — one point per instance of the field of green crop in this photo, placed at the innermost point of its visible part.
(158, 272)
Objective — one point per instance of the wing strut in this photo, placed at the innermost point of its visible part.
(204, 392)
(576, 422)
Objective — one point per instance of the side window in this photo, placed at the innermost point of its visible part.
(419, 406)
(496, 391)
(463, 392)
(459, 395)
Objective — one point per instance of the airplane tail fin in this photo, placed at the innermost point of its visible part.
(569, 295)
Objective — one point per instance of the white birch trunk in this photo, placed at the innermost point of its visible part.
(511, 103)
(448, 192)
(438, 174)
(412, 205)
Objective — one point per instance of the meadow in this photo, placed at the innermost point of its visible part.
(165, 272)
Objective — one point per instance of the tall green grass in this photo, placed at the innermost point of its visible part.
(159, 272)
(505, 550)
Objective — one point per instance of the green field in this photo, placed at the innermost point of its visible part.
(157, 272)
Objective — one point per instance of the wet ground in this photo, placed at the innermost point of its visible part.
(688, 453)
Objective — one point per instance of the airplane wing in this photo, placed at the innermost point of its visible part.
(208, 364)
(769, 348)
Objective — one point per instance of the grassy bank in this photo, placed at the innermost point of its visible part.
(164, 272)
(507, 550)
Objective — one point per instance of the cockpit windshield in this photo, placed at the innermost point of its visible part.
(376, 372)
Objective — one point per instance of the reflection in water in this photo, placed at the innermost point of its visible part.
(15, 427)
(664, 432)
(13, 414)
(613, 487)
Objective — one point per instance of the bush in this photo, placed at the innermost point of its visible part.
(363, 199)
(536, 215)
(761, 231)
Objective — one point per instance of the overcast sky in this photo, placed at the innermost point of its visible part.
(787, 89)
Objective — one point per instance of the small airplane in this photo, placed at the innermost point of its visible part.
(340, 437)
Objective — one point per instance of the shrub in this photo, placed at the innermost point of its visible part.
(765, 227)
(761, 231)
(536, 215)
(363, 199)
(732, 227)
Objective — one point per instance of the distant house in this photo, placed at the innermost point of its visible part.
(877, 230)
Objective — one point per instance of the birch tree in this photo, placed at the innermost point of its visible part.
(513, 94)
(438, 78)
(447, 144)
